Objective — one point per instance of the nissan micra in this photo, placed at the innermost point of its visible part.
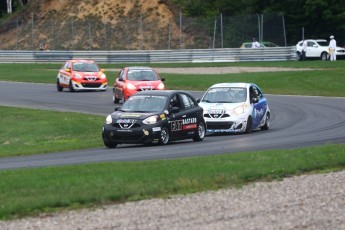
(235, 108)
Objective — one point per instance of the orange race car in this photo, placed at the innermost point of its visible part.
(134, 79)
(81, 75)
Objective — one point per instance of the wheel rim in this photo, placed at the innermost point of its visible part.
(164, 136)
(201, 130)
(268, 123)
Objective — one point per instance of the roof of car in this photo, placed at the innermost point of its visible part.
(138, 68)
(234, 84)
(160, 92)
(80, 60)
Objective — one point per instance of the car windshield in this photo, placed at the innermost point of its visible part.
(144, 103)
(142, 75)
(85, 67)
(225, 95)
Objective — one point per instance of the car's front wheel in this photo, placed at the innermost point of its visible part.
(109, 144)
(200, 132)
(58, 86)
(165, 136)
(324, 56)
(70, 86)
(249, 125)
(266, 126)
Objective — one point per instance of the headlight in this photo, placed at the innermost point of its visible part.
(130, 86)
(238, 110)
(160, 86)
(103, 76)
(151, 120)
(109, 120)
(78, 76)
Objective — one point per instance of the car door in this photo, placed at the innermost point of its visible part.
(259, 107)
(191, 116)
(313, 49)
(65, 73)
(177, 115)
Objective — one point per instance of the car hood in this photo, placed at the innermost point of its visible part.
(131, 115)
(219, 106)
(139, 84)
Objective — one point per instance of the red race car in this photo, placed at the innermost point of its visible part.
(134, 79)
(81, 75)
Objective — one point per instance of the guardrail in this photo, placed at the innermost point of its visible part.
(153, 56)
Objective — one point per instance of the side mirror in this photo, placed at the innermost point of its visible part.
(117, 108)
(120, 79)
(162, 79)
(102, 70)
(255, 100)
(68, 70)
(198, 100)
(175, 109)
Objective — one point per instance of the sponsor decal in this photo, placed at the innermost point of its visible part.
(190, 126)
(162, 116)
(120, 121)
(156, 129)
(189, 120)
(131, 115)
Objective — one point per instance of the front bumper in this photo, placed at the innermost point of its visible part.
(149, 134)
(226, 126)
(87, 85)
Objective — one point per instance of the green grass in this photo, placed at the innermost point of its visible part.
(326, 80)
(30, 131)
(31, 191)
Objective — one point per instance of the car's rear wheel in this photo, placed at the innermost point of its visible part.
(70, 86)
(58, 86)
(200, 132)
(266, 126)
(324, 56)
(109, 144)
(249, 125)
(165, 136)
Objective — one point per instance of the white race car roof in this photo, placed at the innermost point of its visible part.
(238, 84)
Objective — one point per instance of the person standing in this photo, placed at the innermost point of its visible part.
(255, 44)
(332, 48)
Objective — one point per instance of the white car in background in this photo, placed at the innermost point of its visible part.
(317, 48)
(235, 108)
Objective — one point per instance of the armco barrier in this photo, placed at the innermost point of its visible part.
(153, 56)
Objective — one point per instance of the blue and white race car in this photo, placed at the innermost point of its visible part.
(235, 108)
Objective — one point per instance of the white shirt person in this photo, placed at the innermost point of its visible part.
(332, 48)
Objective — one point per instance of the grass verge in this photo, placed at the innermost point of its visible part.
(31, 191)
(30, 131)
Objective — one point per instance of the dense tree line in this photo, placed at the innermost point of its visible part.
(319, 18)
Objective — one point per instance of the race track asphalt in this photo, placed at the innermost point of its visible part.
(297, 121)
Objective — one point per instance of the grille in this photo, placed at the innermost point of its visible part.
(219, 125)
(218, 115)
(91, 85)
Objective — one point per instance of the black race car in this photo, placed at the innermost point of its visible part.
(158, 116)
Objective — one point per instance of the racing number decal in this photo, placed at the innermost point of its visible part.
(176, 125)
